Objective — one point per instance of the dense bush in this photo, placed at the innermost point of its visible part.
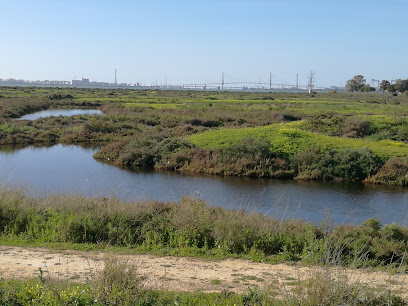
(350, 165)
(193, 225)
(355, 127)
(249, 157)
(393, 172)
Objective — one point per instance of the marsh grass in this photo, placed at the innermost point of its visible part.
(193, 228)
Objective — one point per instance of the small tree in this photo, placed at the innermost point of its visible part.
(384, 85)
(401, 85)
(392, 88)
(355, 83)
(366, 88)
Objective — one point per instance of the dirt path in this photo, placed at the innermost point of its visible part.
(179, 273)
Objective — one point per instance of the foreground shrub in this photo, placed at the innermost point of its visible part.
(117, 284)
(193, 226)
(326, 289)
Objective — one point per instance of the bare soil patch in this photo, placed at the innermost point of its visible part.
(181, 273)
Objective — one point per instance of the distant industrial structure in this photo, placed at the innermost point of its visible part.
(222, 85)
(310, 84)
(82, 82)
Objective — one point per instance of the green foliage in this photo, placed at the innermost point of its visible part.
(384, 85)
(60, 96)
(191, 227)
(164, 129)
(366, 88)
(37, 293)
(152, 105)
(118, 284)
(393, 172)
(248, 157)
(355, 127)
(356, 83)
(349, 164)
(289, 139)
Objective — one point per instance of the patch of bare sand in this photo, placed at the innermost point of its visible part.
(183, 274)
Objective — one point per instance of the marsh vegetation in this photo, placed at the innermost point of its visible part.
(336, 136)
(192, 228)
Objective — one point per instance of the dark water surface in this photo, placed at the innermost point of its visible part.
(71, 169)
(60, 112)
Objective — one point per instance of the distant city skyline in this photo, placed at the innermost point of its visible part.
(266, 83)
(84, 82)
(184, 42)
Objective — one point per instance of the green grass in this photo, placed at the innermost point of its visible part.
(153, 105)
(288, 139)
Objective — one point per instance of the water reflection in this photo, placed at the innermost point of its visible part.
(71, 169)
(60, 112)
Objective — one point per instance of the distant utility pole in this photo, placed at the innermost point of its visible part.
(297, 80)
(222, 81)
(116, 81)
(270, 80)
(311, 79)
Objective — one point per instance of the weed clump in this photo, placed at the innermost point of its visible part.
(117, 284)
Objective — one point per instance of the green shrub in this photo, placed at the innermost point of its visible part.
(118, 284)
(350, 164)
(194, 226)
(393, 172)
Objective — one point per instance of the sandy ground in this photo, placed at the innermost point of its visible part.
(182, 274)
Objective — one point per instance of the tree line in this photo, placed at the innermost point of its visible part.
(398, 86)
(358, 83)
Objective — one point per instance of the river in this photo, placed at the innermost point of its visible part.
(72, 169)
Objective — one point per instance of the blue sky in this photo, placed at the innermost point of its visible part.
(195, 41)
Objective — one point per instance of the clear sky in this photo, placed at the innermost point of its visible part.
(195, 41)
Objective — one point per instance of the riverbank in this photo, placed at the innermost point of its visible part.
(193, 228)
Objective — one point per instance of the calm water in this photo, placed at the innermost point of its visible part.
(71, 169)
(60, 112)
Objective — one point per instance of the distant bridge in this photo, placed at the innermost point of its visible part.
(249, 85)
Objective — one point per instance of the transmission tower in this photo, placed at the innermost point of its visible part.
(222, 81)
(310, 85)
